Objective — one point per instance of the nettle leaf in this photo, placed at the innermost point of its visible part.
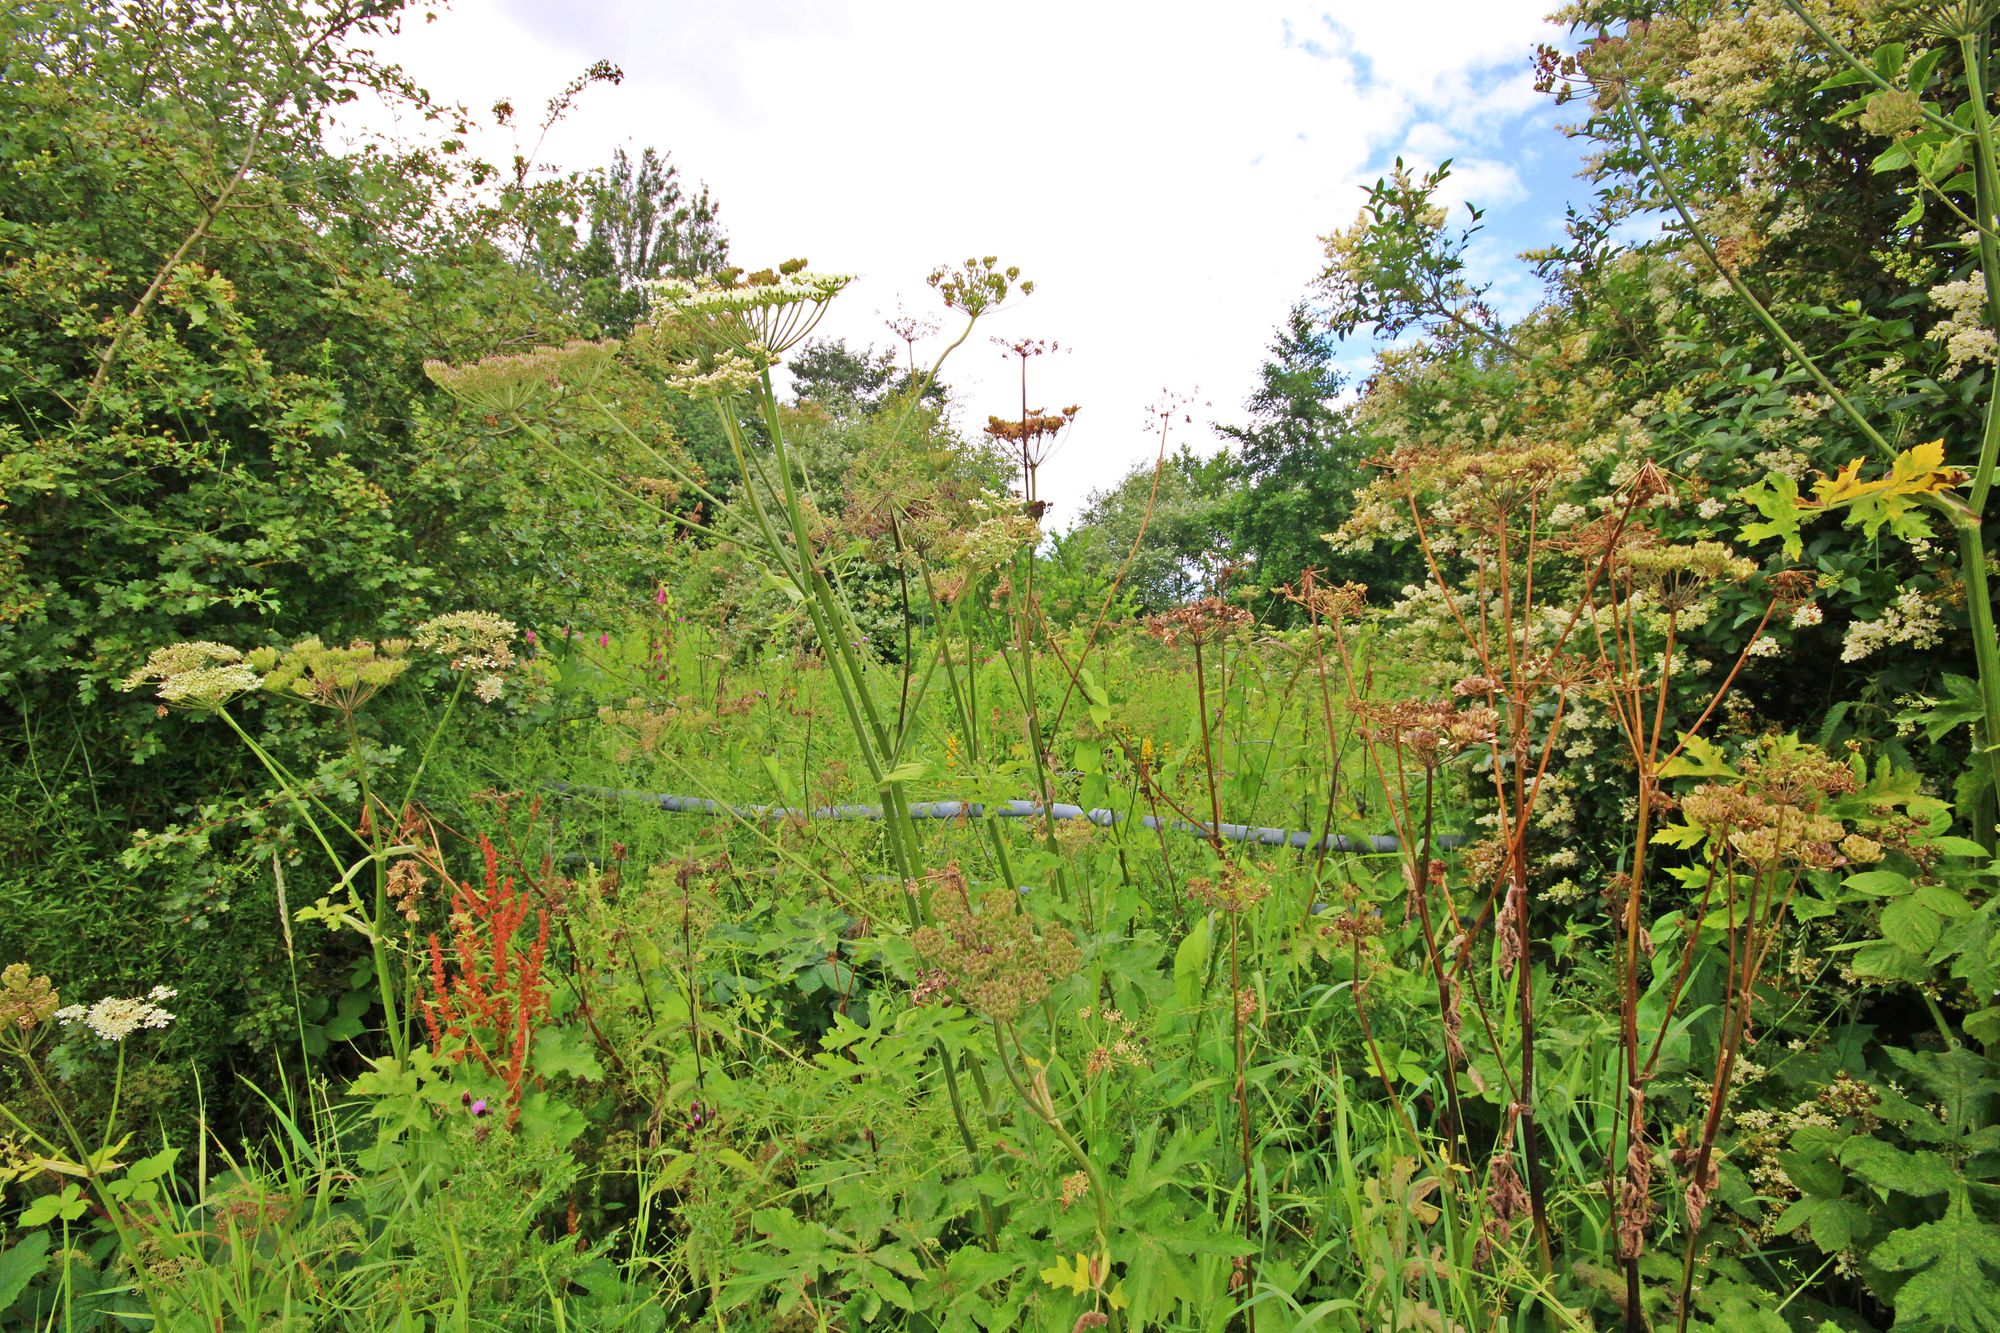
(1813, 1173)
(1839, 1223)
(1889, 962)
(1958, 1080)
(1949, 1261)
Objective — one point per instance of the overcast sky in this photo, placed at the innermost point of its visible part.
(1163, 172)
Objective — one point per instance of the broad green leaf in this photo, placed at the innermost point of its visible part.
(1882, 1164)
(1911, 926)
(1949, 1259)
(566, 1052)
(1699, 758)
(20, 1265)
(1877, 883)
(1191, 964)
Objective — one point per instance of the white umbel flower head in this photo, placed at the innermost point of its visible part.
(473, 640)
(200, 675)
(114, 1018)
(759, 315)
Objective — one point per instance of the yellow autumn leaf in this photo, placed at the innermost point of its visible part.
(1062, 1274)
(1843, 485)
(1917, 471)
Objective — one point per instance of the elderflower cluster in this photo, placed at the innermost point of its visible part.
(1966, 335)
(114, 1018)
(1909, 619)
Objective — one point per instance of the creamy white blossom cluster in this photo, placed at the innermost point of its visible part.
(1909, 619)
(200, 674)
(116, 1017)
(760, 317)
(1965, 333)
(731, 376)
(473, 640)
(707, 297)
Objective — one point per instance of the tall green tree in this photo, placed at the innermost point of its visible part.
(644, 223)
(828, 372)
(1299, 463)
(1179, 517)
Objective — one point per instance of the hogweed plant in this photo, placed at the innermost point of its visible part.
(85, 1166)
(477, 647)
(1554, 613)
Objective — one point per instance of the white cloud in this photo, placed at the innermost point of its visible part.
(1162, 173)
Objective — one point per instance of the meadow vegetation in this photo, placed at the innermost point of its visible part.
(510, 821)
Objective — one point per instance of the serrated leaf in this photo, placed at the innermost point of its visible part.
(1948, 1259)
(1838, 1224)
(1776, 497)
(1068, 1275)
(1813, 1173)
(1911, 926)
(1699, 757)
(1921, 1173)
(1891, 499)
(1887, 962)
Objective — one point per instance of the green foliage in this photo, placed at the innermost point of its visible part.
(1669, 1000)
(1171, 519)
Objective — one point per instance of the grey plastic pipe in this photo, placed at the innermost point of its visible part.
(1265, 837)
